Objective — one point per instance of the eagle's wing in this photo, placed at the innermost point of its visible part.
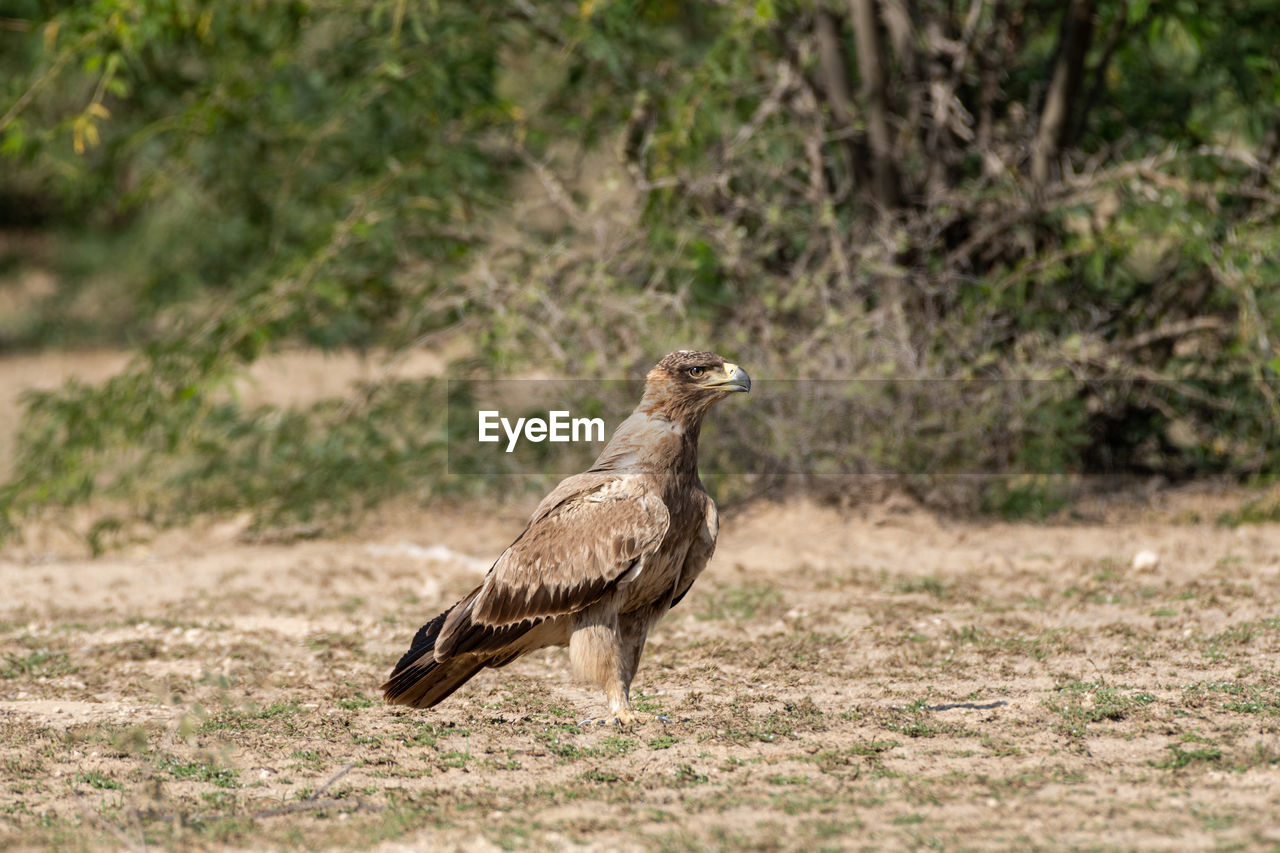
(587, 535)
(700, 550)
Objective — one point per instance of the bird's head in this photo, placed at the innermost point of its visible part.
(686, 384)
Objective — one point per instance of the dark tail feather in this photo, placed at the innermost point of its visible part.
(422, 681)
(419, 677)
(424, 641)
(428, 683)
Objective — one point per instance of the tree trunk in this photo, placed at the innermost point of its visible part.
(871, 67)
(835, 84)
(1064, 89)
(835, 71)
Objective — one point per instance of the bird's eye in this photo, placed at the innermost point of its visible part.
(696, 372)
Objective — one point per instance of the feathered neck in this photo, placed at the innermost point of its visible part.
(649, 441)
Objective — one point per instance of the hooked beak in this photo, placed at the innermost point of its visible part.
(733, 379)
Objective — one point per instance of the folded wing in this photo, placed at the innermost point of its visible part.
(591, 533)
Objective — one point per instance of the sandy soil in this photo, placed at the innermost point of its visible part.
(874, 680)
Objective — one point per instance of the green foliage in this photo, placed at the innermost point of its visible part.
(578, 188)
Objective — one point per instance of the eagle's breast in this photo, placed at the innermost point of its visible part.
(662, 570)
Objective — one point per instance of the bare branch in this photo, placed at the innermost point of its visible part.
(1055, 119)
(871, 67)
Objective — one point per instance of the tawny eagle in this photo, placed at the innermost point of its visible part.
(604, 556)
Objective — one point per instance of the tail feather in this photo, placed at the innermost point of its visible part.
(421, 680)
(430, 683)
(423, 642)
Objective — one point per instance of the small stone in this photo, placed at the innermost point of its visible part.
(1145, 560)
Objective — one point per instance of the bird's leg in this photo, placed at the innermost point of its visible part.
(596, 657)
(633, 630)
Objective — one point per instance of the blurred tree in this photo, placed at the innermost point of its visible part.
(997, 189)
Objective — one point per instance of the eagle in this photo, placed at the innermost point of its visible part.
(604, 557)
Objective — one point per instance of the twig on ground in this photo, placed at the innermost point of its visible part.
(334, 778)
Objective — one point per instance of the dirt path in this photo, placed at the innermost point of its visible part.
(873, 681)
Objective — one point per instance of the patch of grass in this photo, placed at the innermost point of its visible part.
(332, 641)
(1001, 748)
(201, 771)
(783, 779)
(795, 717)
(686, 776)
(821, 829)
(279, 709)
(646, 704)
(128, 740)
(238, 720)
(353, 703)
(224, 800)
(1256, 699)
(228, 720)
(1180, 758)
(914, 721)
(1257, 511)
(558, 744)
(1262, 755)
(1089, 702)
(42, 663)
(508, 763)
(1054, 641)
(929, 585)
(454, 758)
(615, 745)
(24, 767)
(309, 757)
(1030, 780)
(95, 779)
(1269, 707)
(741, 603)
(663, 742)
(1214, 646)
(422, 734)
(141, 649)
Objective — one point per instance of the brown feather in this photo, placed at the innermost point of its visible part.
(574, 551)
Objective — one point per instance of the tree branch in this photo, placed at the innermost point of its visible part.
(871, 67)
(834, 66)
(1055, 120)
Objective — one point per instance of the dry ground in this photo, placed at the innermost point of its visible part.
(876, 680)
